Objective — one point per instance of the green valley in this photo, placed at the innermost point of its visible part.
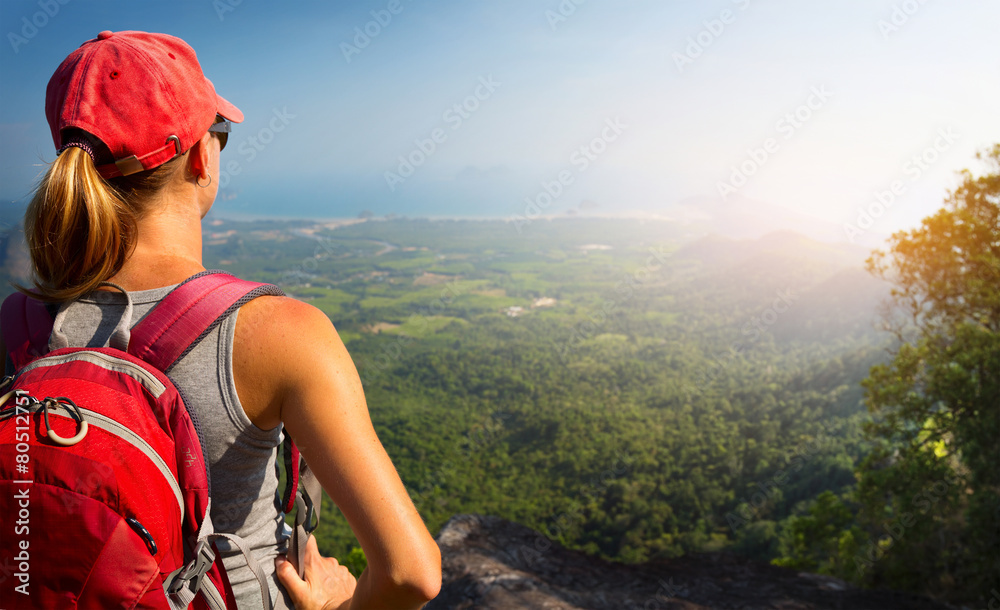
(625, 386)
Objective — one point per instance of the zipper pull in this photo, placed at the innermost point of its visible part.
(143, 533)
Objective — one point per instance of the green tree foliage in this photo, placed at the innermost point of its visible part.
(683, 394)
(930, 489)
(825, 541)
(355, 561)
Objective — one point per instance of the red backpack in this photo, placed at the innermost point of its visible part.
(104, 489)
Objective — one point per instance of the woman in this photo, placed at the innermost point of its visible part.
(139, 131)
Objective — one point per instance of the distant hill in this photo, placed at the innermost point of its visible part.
(721, 249)
(833, 296)
(742, 217)
(847, 303)
(493, 564)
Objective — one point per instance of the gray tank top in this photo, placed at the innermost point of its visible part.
(240, 456)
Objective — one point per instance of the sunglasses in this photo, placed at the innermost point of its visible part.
(221, 127)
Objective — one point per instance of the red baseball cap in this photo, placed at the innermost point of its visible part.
(143, 95)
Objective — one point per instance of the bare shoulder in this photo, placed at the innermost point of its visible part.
(277, 319)
(281, 343)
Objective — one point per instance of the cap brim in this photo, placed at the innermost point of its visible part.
(228, 111)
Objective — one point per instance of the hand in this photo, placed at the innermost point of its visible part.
(328, 585)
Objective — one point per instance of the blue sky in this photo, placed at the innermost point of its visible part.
(884, 78)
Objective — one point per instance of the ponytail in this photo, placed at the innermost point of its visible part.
(80, 228)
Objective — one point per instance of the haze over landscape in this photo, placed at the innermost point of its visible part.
(822, 106)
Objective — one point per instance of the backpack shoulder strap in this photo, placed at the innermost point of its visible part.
(26, 324)
(191, 311)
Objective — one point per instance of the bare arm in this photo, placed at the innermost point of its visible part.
(292, 367)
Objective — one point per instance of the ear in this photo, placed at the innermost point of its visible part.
(200, 157)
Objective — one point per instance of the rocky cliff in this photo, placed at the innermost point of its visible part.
(493, 564)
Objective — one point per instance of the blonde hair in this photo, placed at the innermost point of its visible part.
(80, 228)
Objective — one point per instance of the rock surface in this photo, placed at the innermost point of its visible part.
(493, 564)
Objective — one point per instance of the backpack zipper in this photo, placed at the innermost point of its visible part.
(113, 427)
(110, 363)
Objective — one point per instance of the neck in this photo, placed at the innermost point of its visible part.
(167, 250)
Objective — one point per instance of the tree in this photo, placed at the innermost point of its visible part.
(930, 490)
(824, 541)
(355, 561)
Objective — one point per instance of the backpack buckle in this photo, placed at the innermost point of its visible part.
(194, 572)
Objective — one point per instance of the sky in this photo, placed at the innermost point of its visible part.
(517, 108)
